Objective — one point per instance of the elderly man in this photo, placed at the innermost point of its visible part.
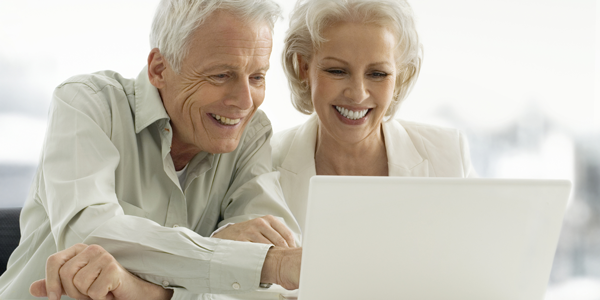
(146, 170)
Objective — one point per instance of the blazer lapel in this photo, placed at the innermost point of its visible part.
(302, 150)
(403, 157)
(298, 167)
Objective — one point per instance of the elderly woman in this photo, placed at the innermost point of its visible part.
(353, 62)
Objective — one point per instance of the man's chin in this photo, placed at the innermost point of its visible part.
(225, 143)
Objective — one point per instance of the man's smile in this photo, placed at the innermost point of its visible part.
(225, 120)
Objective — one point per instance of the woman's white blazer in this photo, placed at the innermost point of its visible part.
(413, 149)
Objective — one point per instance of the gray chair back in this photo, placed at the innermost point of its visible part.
(10, 234)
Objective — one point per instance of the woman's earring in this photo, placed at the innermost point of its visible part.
(305, 84)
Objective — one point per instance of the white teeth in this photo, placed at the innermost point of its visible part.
(224, 120)
(352, 115)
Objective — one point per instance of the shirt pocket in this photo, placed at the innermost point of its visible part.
(132, 210)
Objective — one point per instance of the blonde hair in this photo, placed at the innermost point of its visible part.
(310, 18)
(175, 20)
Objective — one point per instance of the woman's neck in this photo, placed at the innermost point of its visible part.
(365, 158)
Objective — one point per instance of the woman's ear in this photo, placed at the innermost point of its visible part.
(303, 67)
(156, 68)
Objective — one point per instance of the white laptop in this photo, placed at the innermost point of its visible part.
(430, 238)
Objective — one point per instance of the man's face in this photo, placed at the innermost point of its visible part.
(220, 85)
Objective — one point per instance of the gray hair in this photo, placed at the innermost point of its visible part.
(310, 18)
(175, 20)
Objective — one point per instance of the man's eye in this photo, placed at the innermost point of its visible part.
(258, 78)
(220, 77)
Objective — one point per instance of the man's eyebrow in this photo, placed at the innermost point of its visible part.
(264, 68)
(231, 67)
(221, 67)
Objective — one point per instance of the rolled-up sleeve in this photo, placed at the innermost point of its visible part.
(179, 257)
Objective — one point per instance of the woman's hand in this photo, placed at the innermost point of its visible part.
(90, 272)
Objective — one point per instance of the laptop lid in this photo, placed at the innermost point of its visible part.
(430, 238)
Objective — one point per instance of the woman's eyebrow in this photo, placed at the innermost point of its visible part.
(336, 59)
(383, 62)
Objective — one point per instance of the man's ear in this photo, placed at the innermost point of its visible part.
(157, 66)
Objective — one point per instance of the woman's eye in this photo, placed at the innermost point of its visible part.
(337, 72)
(379, 74)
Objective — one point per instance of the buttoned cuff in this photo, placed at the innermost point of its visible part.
(237, 266)
(183, 294)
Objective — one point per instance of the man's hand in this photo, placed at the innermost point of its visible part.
(90, 272)
(282, 266)
(266, 230)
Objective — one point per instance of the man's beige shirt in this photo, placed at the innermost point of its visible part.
(106, 177)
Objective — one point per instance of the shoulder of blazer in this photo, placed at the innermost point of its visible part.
(431, 135)
(445, 148)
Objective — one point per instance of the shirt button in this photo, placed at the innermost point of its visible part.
(176, 225)
(165, 283)
(235, 286)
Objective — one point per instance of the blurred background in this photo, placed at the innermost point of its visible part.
(520, 78)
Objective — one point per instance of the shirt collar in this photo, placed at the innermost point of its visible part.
(147, 104)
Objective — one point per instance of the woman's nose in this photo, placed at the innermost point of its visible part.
(356, 90)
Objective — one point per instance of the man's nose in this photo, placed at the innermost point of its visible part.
(356, 90)
(240, 95)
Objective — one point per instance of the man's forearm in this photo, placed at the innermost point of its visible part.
(159, 260)
(282, 266)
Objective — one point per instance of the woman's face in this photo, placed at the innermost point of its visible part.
(352, 78)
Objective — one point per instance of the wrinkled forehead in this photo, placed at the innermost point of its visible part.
(225, 35)
(222, 26)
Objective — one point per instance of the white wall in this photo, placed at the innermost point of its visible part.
(488, 65)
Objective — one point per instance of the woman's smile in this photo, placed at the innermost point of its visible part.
(351, 116)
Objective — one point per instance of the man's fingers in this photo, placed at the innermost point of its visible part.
(253, 236)
(96, 278)
(53, 266)
(106, 282)
(38, 288)
(69, 271)
(262, 226)
(283, 231)
(86, 276)
(266, 229)
(274, 237)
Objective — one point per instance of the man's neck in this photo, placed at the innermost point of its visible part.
(182, 153)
